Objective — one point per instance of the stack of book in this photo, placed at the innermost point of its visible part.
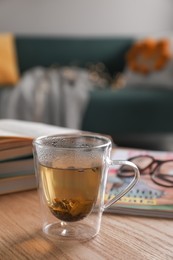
(16, 157)
(16, 164)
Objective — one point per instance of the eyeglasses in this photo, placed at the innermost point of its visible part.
(161, 171)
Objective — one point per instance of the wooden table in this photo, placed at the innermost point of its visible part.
(121, 237)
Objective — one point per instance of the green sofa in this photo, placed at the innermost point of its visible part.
(125, 113)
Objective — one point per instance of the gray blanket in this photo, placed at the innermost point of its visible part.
(53, 96)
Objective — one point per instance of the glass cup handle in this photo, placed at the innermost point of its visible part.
(129, 187)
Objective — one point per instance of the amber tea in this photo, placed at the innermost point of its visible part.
(70, 193)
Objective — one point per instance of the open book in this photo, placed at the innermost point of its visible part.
(146, 198)
(16, 158)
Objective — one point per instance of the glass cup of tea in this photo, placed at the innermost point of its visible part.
(72, 174)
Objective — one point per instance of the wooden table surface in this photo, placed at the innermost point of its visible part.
(121, 237)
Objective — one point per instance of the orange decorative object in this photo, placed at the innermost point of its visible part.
(149, 55)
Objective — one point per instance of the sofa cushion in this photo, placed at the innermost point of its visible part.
(47, 51)
(129, 110)
(9, 74)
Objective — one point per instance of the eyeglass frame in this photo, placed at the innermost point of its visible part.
(158, 163)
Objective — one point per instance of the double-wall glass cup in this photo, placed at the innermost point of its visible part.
(72, 174)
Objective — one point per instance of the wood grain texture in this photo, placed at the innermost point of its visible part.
(121, 237)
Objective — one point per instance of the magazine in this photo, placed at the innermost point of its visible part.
(147, 198)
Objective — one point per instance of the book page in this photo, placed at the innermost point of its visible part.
(8, 133)
(9, 127)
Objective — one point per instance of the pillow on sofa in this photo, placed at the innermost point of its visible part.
(150, 63)
(9, 73)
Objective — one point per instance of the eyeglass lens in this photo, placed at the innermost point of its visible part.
(163, 174)
(142, 162)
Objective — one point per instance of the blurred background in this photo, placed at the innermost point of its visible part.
(79, 17)
(106, 18)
